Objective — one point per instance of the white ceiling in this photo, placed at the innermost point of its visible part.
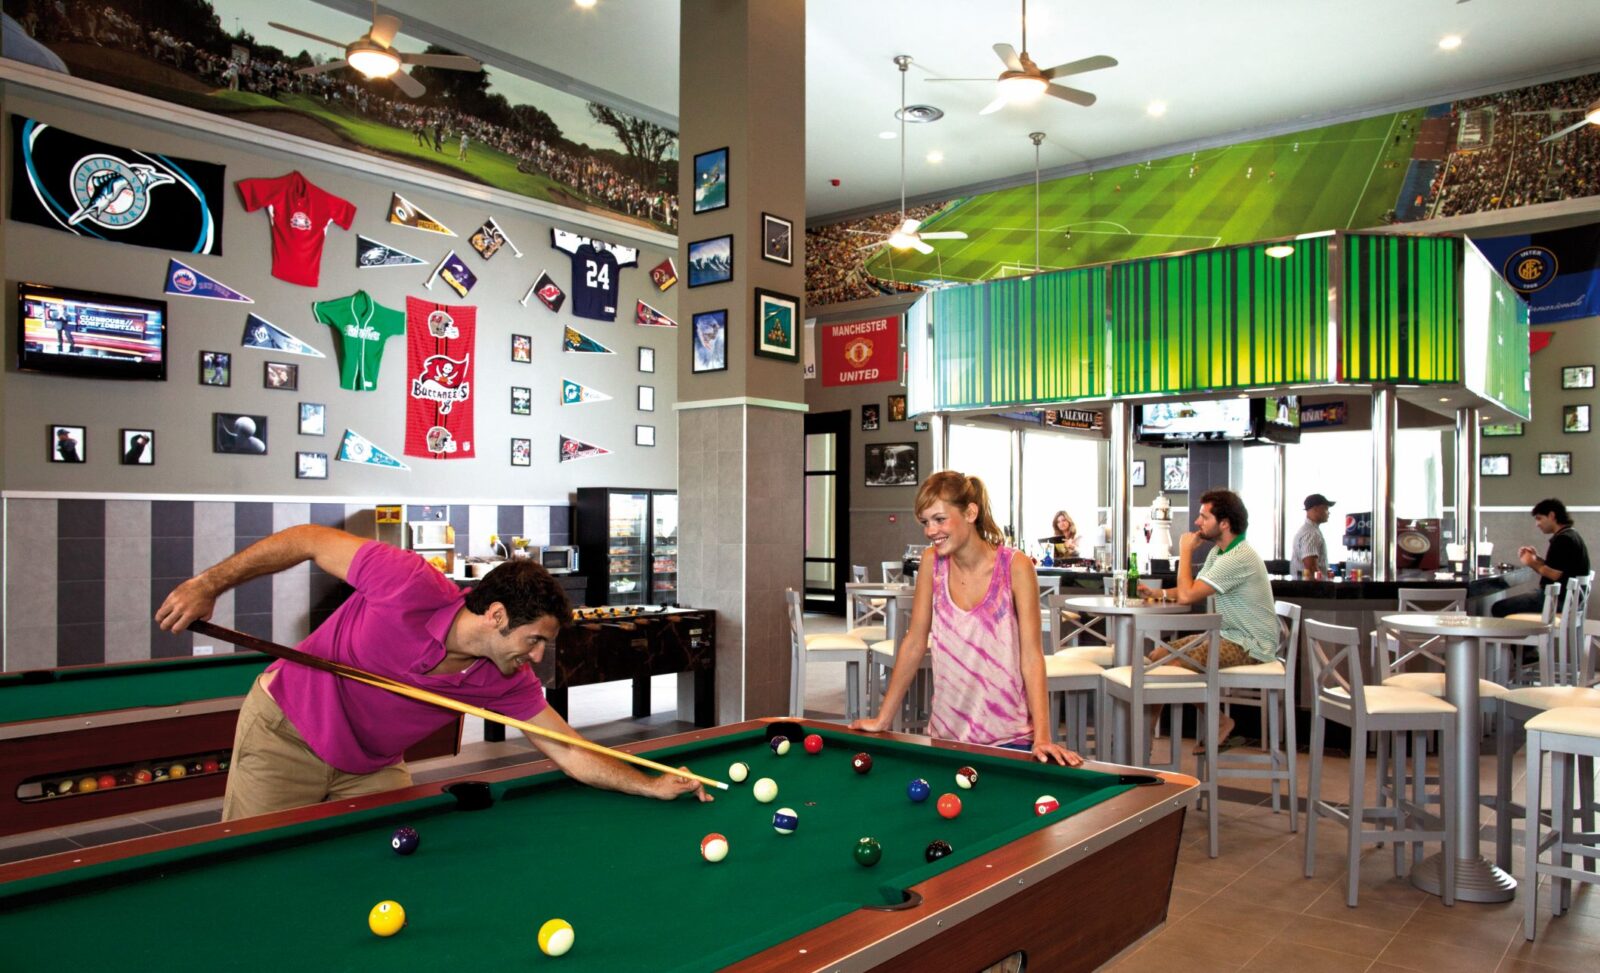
(1227, 70)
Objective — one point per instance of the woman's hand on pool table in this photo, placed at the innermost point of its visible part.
(1045, 751)
(670, 787)
(876, 724)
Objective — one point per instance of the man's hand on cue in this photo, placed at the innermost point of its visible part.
(188, 602)
(669, 787)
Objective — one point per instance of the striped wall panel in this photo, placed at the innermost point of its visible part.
(1400, 310)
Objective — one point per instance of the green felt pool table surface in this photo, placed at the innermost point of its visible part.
(625, 871)
(54, 693)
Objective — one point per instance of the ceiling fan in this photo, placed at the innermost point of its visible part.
(1022, 82)
(374, 56)
(1591, 116)
(906, 236)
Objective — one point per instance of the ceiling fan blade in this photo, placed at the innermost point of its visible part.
(384, 27)
(910, 226)
(1073, 95)
(1078, 67)
(994, 106)
(990, 80)
(324, 67)
(1008, 54)
(944, 235)
(409, 86)
(874, 246)
(306, 33)
(454, 62)
(921, 247)
(1566, 131)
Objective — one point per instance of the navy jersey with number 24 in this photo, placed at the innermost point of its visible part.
(595, 267)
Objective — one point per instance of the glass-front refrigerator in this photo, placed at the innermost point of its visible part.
(663, 547)
(628, 545)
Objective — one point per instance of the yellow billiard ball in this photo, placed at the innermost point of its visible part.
(555, 937)
(386, 918)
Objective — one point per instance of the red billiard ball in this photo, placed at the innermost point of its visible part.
(210, 766)
(966, 778)
(106, 782)
(862, 762)
(813, 744)
(949, 805)
(1044, 804)
(143, 776)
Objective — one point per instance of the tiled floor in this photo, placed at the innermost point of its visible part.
(1252, 908)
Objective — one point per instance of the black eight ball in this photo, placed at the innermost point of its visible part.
(937, 850)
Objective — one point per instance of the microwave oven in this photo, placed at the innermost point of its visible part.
(556, 560)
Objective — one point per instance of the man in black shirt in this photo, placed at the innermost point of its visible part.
(1566, 557)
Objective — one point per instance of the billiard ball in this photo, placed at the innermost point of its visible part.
(106, 782)
(386, 918)
(766, 790)
(784, 820)
(713, 847)
(739, 772)
(210, 766)
(222, 764)
(125, 778)
(143, 776)
(405, 840)
(918, 790)
(160, 773)
(949, 805)
(868, 852)
(176, 771)
(196, 767)
(1044, 804)
(966, 778)
(88, 784)
(555, 937)
(937, 849)
(779, 745)
(813, 744)
(862, 762)
(66, 787)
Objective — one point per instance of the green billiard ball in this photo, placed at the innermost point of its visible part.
(868, 851)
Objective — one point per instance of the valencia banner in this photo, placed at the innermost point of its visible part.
(439, 343)
(861, 352)
(1557, 271)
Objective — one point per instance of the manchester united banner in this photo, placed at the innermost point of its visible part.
(439, 341)
(861, 352)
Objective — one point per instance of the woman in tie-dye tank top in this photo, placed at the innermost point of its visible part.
(977, 608)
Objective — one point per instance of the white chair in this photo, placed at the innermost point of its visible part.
(1569, 642)
(1509, 664)
(893, 571)
(1068, 631)
(847, 649)
(1073, 677)
(1340, 695)
(1271, 687)
(1571, 735)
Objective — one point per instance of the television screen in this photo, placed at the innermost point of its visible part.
(83, 333)
(1187, 422)
(1280, 419)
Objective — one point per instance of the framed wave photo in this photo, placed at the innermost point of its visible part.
(711, 180)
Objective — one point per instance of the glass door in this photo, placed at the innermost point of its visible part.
(626, 548)
(827, 523)
(664, 549)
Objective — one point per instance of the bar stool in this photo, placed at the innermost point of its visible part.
(1068, 629)
(1074, 683)
(1270, 686)
(848, 649)
(1511, 668)
(1339, 695)
(1565, 733)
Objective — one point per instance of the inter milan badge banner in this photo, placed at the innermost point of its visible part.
(439, 342)
(185, 281)
(1557, 271)
(89, 188)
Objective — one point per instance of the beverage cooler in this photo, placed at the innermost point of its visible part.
(628, 545)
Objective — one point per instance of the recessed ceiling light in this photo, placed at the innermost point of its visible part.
(1444, 398)
(935, 157)
(1156, 109)
(1279, 251)
(586, 4)
(1449, 42)
(888, 135)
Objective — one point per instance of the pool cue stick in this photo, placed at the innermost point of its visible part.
(425, 696)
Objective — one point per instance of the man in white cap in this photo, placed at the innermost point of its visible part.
(1310, 550)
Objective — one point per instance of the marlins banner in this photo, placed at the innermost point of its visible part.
(439, 342)
(356, 448)
(185, 281)
(1558, 271)
(861, 352)
(94, 189)
(574, 394)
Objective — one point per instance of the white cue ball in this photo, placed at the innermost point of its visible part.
(766, 790)
(739, 773)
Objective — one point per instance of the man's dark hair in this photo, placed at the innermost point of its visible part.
(1555, 508)
(1226, 505)
(528, 591)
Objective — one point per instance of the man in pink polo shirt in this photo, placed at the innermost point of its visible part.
(306, 736)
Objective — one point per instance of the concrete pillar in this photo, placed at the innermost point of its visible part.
(1467, 497)
(1385, 417)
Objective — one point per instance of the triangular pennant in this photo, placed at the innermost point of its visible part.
(263, 334)
(576, 340)
(650, 317)
(455, 273)
(572, 449)
(371, 255)
(549, 292)
(403, 212)
(185, 281)
(664, 275)
(356, 448)
(574, 394)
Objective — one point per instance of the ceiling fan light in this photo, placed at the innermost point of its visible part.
(1020, 89)
(373, 62)
(1592, 114)
(902, 240)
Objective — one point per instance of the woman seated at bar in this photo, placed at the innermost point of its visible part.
(1063, 536)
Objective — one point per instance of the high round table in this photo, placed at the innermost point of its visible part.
(1119, 627)
(1477, 878)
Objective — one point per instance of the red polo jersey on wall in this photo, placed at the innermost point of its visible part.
(301, 214)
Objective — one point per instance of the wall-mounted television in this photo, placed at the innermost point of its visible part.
(1202, 421)
(1280, 419)
(73, 332)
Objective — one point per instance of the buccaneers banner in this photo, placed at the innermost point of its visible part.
(861, 352)
(439, 341)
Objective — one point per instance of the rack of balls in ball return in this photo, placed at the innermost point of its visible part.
(556, 935)
(77, 783)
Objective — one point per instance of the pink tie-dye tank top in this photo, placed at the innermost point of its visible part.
(978, 695)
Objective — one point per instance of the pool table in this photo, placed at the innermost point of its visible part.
(1069, 889)
(81, 720)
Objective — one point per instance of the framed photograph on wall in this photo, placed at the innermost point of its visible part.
(1175, 474)
(310, 466)
(521, 348)
(1575, 418)
(1502, 429)
(777, 335)
(280, 375)
(1138, 473)
(647, 398)
(711, 180)
(313, 419)
(1577, 377)
(897, 408)
(869, 417)
(138, 447)
(521, 452)
(1555, 464)
(921, 425)
(68, 444)
(711, 261)
(644, 435)
(710, 342)
(521, 401)
(235, 432)
(216, 368)
(777, 239)
(891, 464)
(1494, 464)
(647, 359)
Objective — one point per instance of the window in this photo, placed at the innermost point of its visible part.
(985, 452)
(1059, 473)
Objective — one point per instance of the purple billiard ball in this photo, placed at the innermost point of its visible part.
(405, 841)
(918, 790)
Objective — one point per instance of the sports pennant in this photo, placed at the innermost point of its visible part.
(371, 255)
(489, 238)
(664, 275)
(576, 340)
(572, 449)
(455, 273)
(185, 281)
(89, 188)
(549, 292)
(439, 343)
(263, 334)
(356, 448)
(650, 317)
(574, 394)
(403, 212)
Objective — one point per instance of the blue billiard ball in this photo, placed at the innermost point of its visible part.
(918, 790)
(779, 745)
(405, 841)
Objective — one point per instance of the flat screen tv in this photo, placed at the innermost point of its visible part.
(73, 332)
(1280, 419)
(1215, 420)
